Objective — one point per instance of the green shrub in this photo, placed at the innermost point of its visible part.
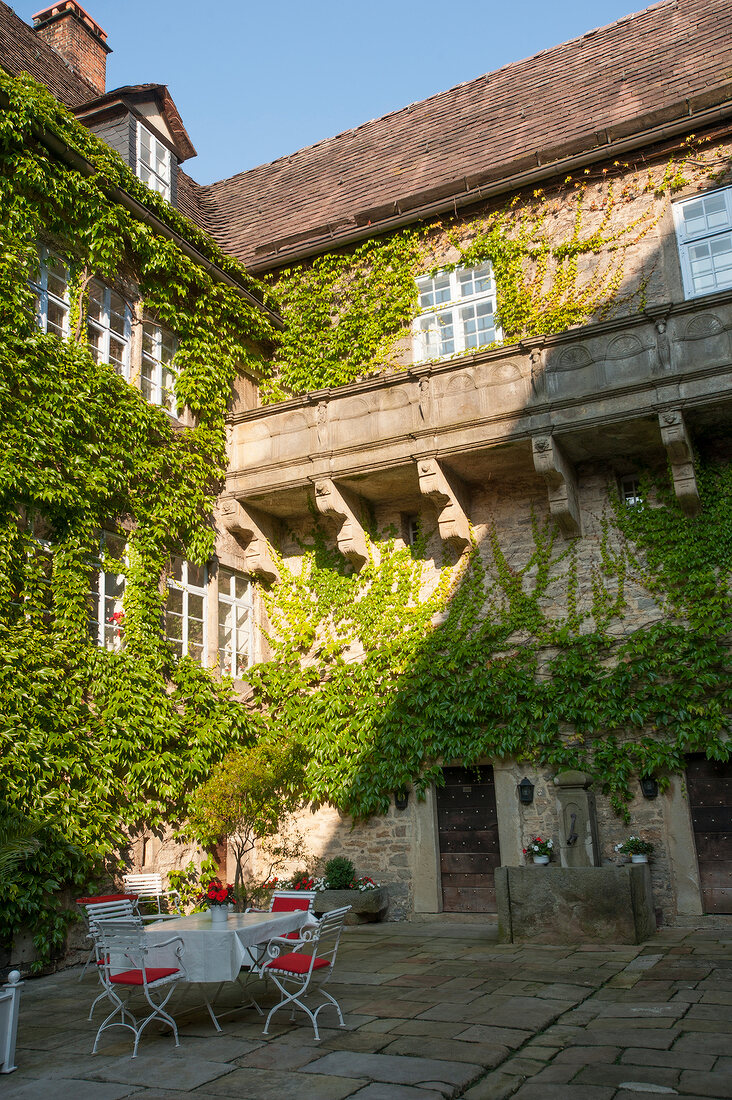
(340, 874)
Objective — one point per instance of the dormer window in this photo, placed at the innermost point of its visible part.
(153, 162)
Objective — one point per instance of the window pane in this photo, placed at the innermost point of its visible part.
(117, 313)
(434, 291)
(149, 334)
(117, 355)
(476, 280)
(176, 568)
(56, 318)
(241, 587)
(57, 279)
(175, 601)
(195, 606)
(196, 575)
(710, 263)
(96, 301)
(226, 577)
(477, 322)
(95, 341)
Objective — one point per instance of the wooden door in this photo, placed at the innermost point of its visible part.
(468, 831)
(709, 784)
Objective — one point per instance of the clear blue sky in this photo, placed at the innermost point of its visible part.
(255, 81)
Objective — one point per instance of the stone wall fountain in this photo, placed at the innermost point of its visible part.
(575, 900)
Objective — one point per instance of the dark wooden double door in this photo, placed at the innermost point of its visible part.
(468, 832)
(709, 783)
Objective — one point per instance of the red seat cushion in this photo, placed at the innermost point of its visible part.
(106, 897)
(288, 905)
(297, 962)
(134, 977)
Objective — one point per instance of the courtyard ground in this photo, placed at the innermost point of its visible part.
(432, 1009)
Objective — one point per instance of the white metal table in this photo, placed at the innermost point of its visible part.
(216, 953)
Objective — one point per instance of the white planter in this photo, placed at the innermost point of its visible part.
(219, 914)
(540, 859)
(636, 858)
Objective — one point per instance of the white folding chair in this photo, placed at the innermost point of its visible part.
(105, 907)
(299, 974)
(150, 888)
(125, 970)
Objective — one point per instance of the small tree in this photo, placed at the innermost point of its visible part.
(247, 797)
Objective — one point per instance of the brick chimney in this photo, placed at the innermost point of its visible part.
(78, 38)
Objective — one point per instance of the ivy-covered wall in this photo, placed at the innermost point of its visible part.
(589, 247)
(608, 654)
(93, 742)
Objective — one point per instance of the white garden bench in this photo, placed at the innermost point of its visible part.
(150, 888)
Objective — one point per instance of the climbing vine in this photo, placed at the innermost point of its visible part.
(560, 258)
(392, 674)
(97, 743)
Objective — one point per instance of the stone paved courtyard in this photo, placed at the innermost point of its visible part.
(432, 1009)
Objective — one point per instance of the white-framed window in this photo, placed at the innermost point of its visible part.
(457, 312)
(235, 622)
(157, 375)
(630, 491)
(106, 593)
(109, 325)
(185, 610)
(704, 234)
(153, 162)
(52, 293)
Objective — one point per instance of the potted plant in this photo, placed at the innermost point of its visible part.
(219, 899)
(337, 887)
(638, 850)
(539, 850)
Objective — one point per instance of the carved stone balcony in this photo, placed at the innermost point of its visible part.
(640, 387)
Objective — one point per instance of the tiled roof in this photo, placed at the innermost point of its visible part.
(562, 100)
(22, 50)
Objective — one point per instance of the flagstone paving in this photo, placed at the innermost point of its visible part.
(434, 1009)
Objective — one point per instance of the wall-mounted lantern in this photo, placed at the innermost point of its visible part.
(401, 798)
(649, 786)
(526, 791)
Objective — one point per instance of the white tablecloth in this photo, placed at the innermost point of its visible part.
(216, 953)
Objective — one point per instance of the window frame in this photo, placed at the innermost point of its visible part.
(232, 601)
(106, 638)
(157, 389)
(455, 302)
(43, 294)
(104, 327)
(187, 589)
(685, 240)
(153, 176)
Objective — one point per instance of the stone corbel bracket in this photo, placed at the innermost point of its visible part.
(561, 482)
(447, 493)
(681, 458)
(345, 509)
(255, 533)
